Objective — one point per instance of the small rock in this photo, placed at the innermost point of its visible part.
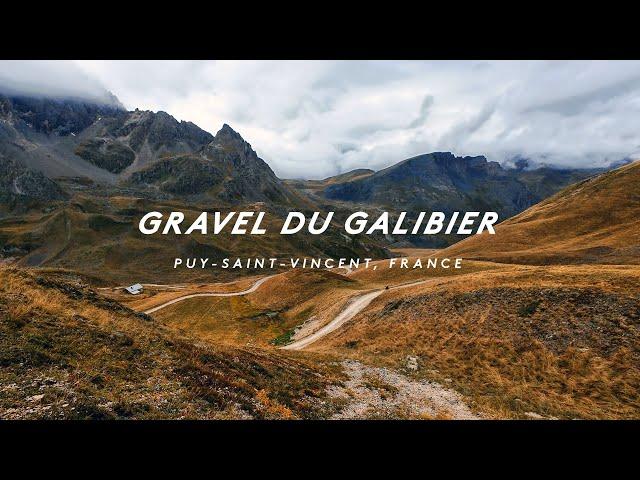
(412, 363)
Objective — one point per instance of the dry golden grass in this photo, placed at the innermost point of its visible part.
(594, 221)
(384, 275)
(153, 296)
(275, 309)
(66, 352)
(295, 286)
(415, 252)
(557, 341)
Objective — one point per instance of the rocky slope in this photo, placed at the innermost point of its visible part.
(226, 169)
(104, 142)
(21, 187)
(42, 133)
(129, 141)
(142, 151)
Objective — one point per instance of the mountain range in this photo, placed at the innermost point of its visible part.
(65, 160)
(444, 182)
(152, 152)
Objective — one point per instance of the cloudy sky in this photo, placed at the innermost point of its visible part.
(313, 119)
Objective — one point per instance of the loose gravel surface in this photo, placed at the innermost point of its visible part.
(372, 392)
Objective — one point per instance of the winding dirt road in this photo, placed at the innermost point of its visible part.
(253, 288)
(354, 306)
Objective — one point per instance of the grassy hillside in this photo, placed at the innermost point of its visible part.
(515, 341)
(67, 352)
(265, 317)
(553, 341)
(99, 236)
(295, 300)
(594, 221)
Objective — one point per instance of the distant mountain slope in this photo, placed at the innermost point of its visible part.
(316, 187)
(594, 221)
(442, 181)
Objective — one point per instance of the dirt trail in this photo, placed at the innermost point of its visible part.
(253, 288)
(354, 306)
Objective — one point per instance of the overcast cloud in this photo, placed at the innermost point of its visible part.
(315, 118)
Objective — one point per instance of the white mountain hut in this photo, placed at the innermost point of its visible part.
(134, 289)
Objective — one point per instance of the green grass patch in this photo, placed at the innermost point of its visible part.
(285, 338)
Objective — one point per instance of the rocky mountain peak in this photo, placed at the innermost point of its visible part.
(227, 137)
(227, 131)
(228, 146)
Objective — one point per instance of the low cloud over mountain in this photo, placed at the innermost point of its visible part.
(316, 119)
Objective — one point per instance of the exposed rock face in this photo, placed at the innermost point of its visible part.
(227, 169)
(248, 176)
(19, 184)
(106, 153)
(182, 175)
(137, 139)
(104, 142)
